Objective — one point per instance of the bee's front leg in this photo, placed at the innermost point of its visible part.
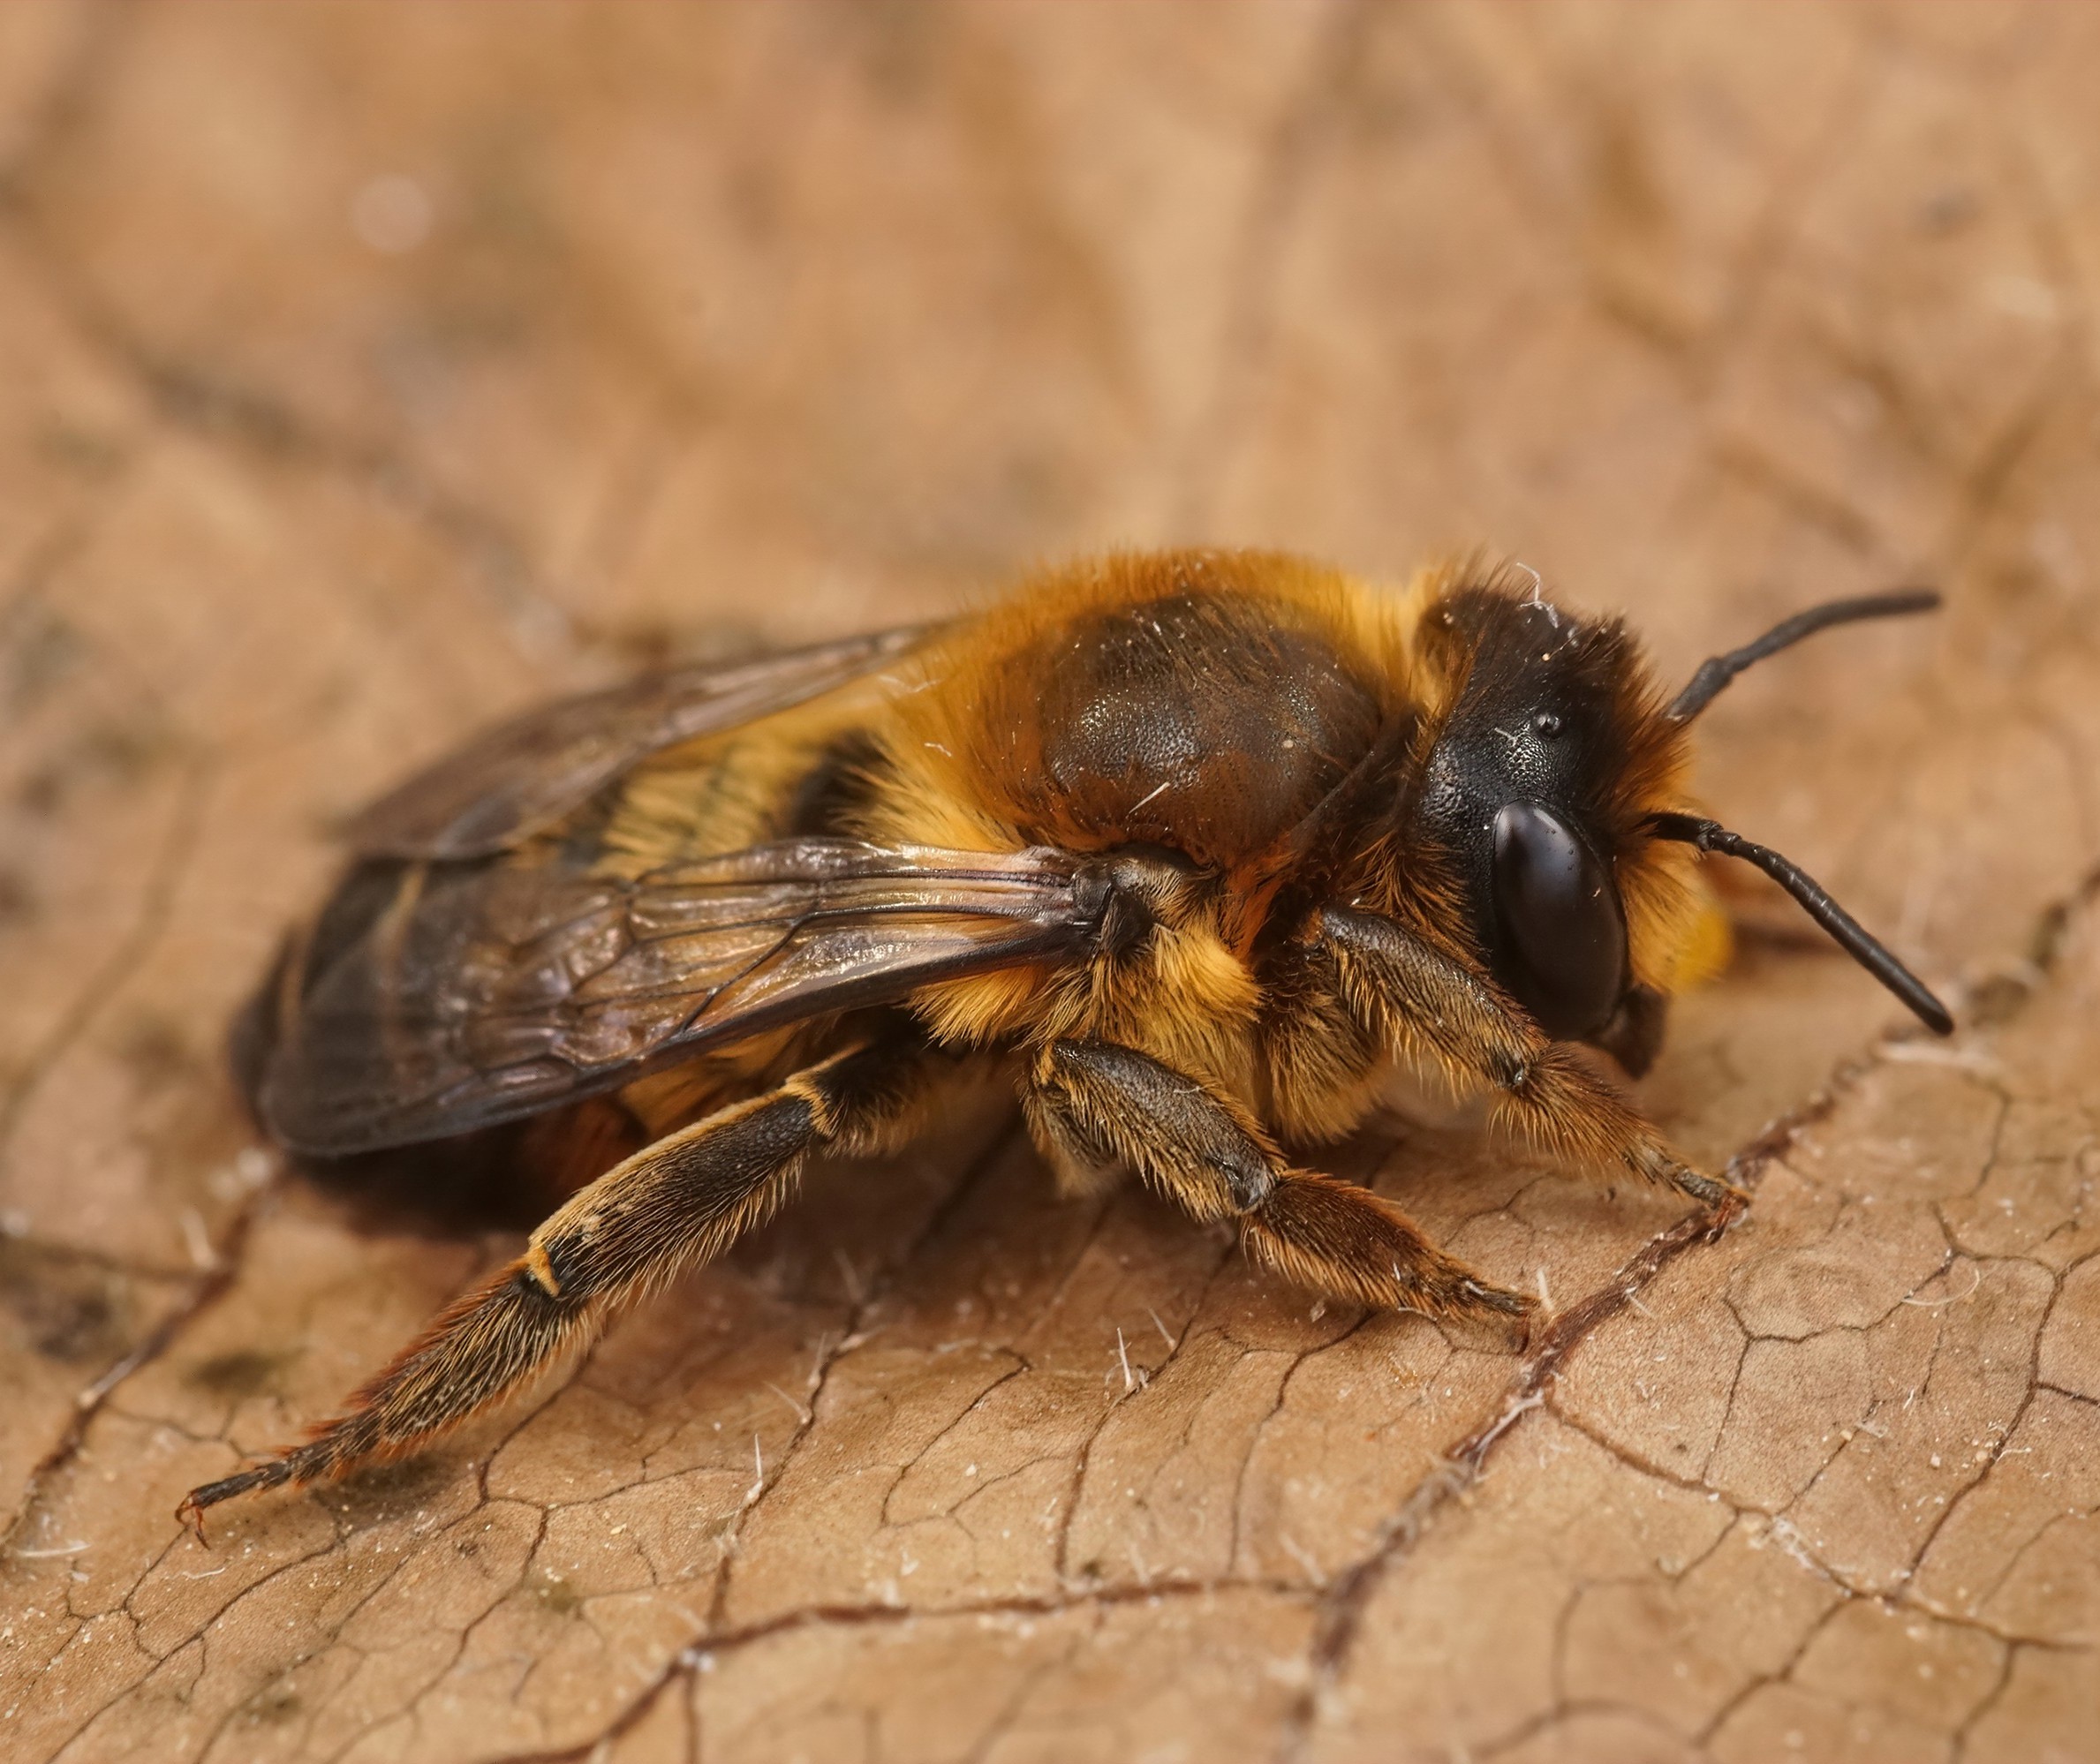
(1097, 1103)
(1429, 1008)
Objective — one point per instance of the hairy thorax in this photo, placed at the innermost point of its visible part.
(1203, 724)
(1197, 701)
(1168, 712)
(1161, 704)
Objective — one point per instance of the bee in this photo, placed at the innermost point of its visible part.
(1199, 843)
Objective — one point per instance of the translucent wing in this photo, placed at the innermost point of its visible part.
(482, 993)
(526, 774)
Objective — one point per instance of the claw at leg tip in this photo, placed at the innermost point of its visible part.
(1730, 1204)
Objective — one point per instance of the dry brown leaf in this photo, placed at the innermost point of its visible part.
(364, 374)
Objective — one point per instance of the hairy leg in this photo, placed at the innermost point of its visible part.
(677, 1202)
(1095, 1103)
(1431, 1009)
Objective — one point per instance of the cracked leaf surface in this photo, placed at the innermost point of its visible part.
(765, 323)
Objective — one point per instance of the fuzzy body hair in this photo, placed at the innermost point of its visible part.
(1266, 719)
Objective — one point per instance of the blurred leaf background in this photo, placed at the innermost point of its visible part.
(369, 372)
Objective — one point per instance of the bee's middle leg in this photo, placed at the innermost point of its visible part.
(1097, 1103)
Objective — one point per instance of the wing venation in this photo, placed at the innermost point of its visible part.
(496, 991)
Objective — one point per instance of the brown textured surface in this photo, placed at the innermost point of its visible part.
(777, 320)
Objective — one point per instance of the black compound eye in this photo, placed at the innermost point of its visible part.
(1562, 947)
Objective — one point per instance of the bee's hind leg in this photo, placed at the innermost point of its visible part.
(1095, 1103)
(673, 1205)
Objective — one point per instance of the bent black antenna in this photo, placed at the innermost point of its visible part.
(1717, 671)
(1854, 937)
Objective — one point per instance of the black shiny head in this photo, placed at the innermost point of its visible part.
(1520, 794)
(1545, 787)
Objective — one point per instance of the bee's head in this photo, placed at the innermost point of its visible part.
(1536, 789)
(1549, 785)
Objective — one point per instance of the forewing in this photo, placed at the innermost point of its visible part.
(493, 992)
(523, 775)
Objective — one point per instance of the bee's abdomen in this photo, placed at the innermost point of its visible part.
(835, 793)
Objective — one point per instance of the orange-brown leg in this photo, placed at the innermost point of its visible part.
(673, 1205)
(1095, 1103)
(1431, 1009)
